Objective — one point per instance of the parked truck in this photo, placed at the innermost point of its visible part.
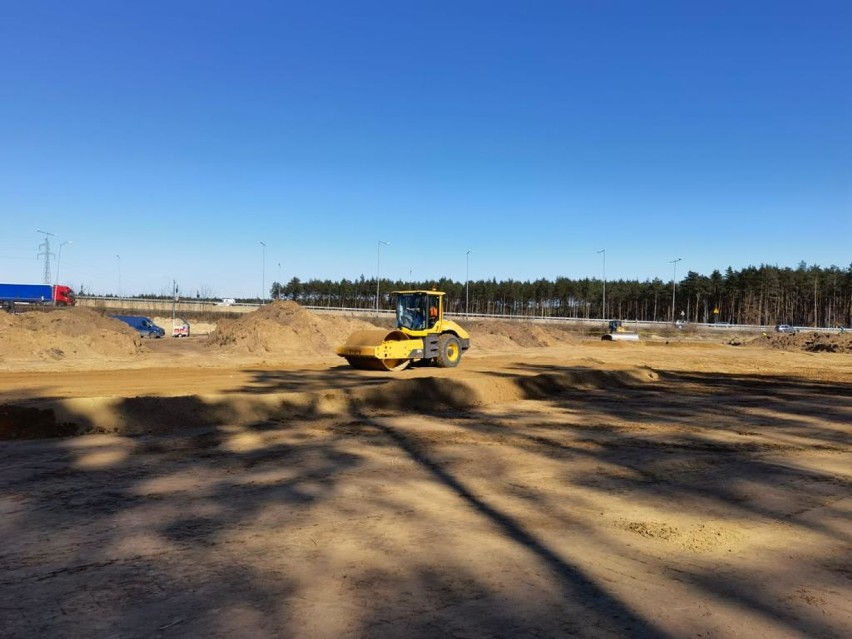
(11, 294)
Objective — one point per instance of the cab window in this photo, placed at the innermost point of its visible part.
(411, 312)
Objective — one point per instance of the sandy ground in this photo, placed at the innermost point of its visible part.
(652, 489)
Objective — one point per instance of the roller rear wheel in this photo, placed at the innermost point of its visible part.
(449, 351)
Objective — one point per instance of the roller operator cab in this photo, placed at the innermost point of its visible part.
(422, 333)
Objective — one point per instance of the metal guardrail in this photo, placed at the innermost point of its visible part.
(162, 304)
(371, 312)
(591, 322)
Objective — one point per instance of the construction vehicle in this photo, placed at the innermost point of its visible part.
(617, 332)
(421, 334)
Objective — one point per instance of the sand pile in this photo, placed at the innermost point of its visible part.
(287, 328)
(502, 335)
(284, 328)
(73, 333)
(812, 342)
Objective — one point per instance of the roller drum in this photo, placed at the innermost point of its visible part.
(362, 347)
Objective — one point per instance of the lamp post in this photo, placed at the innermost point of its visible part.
(279, 281)
(603, 303)
(59, 258)
(674, 285)
(379, 270)
(174, 301)
(263, 276)
(467, 285)
(815, 301)
(119, 275)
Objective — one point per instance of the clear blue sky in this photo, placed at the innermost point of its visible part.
(179, 135)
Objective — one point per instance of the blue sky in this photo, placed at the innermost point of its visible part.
(180, 135)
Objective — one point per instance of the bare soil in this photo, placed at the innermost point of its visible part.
(551, 486)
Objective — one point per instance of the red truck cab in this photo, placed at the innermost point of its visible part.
(63, 296)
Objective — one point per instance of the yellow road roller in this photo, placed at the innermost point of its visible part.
(421, 334)
(618, 332)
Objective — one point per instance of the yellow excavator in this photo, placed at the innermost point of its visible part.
(421, 333)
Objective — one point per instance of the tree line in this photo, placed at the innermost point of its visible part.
(765, 295)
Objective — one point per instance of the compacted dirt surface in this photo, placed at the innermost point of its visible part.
(250, 484)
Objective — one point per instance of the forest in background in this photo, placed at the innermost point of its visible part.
(764, 295)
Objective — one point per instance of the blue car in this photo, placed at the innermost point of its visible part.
(143, 325)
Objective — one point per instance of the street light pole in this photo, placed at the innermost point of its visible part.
(119, 275)
(263, 280)
(59, 258)
(674, 285)
(379, 270)
(603, 304)
(467, 285)
(280, 284)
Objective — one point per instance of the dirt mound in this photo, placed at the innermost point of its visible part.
(503, 335)
(812, 342)
(74, 333)
(284, 328)
(140, 414)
